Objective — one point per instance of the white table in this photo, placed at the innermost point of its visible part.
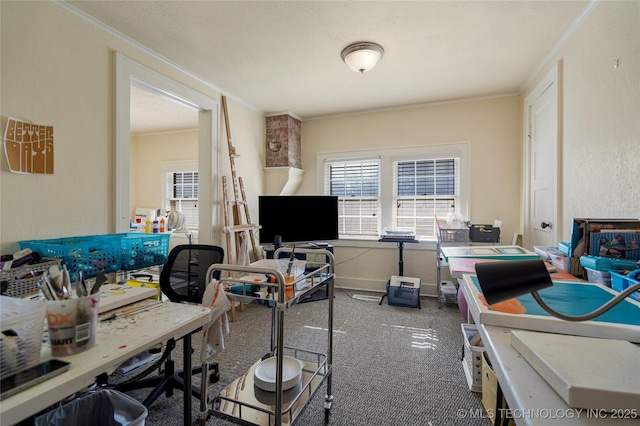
(531, 400)
(116, 341)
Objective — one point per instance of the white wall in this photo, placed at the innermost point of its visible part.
(601, 115)
(58, 69)
(148, 151)
(74, 93)
(493, 128)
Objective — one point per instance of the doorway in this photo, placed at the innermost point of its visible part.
(542, 223)
(130, 73)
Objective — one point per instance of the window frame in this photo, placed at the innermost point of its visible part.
(388, 156)
(168, 167)
(369, 163)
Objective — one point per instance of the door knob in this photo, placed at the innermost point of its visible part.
(545, 225)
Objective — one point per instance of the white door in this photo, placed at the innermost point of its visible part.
(542, 225)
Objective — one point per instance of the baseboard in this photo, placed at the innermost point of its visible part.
(378, 286)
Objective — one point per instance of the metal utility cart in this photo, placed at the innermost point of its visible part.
(244, 402)
(448, 237)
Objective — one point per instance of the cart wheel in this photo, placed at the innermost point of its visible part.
(214, 377)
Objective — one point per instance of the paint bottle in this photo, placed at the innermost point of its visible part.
(156, 226)
(147, 226)
(162, 225)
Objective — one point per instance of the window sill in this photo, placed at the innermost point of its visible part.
(184, 235)
(422, 245)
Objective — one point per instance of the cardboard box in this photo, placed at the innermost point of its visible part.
(489, 388)
(492, 397)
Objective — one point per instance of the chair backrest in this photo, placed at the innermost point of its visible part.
(183, 277)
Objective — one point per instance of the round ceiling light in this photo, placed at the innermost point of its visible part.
(362, 56)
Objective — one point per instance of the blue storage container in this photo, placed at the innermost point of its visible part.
(95, 254)
(607, 263)
(89, 254)
(144, 250)
(565, 248)
(621, 282)
(405, 296)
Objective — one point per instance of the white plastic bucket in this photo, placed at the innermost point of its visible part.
(73, 324)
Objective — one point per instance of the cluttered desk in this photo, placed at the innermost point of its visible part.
(553, 370)
(123, 331)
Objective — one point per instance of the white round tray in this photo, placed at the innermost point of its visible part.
(269, 398)
(265, 373)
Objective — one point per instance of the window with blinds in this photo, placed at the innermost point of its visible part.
(396, 187)
(183, 195)
(357, 185)
(424, 189)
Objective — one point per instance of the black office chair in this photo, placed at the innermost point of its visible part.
(182, 279)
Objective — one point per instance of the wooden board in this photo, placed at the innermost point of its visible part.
(459, 266)
(114, 296)
(586, 372)
(489, 252)
(567, 297)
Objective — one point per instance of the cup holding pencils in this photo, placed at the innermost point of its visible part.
(288, 267)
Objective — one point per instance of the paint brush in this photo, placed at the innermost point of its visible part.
(291, 260)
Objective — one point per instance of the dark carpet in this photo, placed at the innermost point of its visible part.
(391, 365)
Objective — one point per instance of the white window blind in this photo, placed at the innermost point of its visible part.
(182, 195)
(396, 187)
(357, 185)
(423, 190)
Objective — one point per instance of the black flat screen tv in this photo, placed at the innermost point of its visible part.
(297, 218)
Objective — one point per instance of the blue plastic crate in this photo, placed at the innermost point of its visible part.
(405, 296)
(90, 254)
(97, 254)
(621, 282)
(144, 250)
(607, 263)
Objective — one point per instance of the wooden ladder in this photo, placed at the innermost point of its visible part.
(234, 221)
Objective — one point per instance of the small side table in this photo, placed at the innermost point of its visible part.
(400, 242)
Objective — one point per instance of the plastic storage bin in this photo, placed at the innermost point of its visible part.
(449, 292)
(405, 296)
(607, 263)
(600, 277)
(620, 282)
(18, 285)
(22, 323)
(454, 235)
(98, 408)
(472, 358)
(95, 254)
(484, 234)
(143, 250)
(90, 254)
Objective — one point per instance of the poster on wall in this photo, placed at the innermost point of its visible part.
(28, 147)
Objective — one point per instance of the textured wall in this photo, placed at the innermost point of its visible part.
(74, 93)
(601, 125)
(286, 133)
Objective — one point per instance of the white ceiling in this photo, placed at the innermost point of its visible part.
(284, 56)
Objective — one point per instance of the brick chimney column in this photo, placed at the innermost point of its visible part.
(284, 140)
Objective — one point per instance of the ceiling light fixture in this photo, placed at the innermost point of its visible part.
(362, 56)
